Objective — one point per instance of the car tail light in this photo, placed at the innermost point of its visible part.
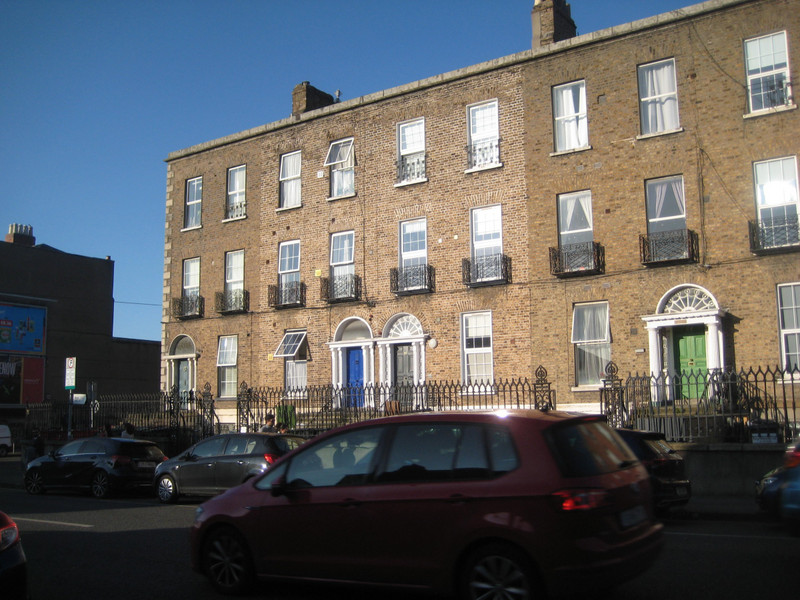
(579, 499)
(270, 458)
(792, 458)
(119, 460)
(8, 535)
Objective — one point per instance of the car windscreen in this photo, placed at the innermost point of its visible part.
(587, 448)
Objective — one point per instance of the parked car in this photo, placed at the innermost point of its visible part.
(13, 564)
(5, 440)
(515, 502)
(220, 462)
(666, 467)
(789, 499)
(98, 464)
(768, 487)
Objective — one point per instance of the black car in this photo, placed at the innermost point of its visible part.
(220, 462)
(13, 564)
(98, 464)
(665, 466)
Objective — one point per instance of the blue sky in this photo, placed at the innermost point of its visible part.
(95, 94)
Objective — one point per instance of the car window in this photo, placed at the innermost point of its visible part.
(286, 444)
(586, 448)
(93, 447)
(70, 448)
(344, 459)
(240, 445)
(273, 474)
(422, 452)
(502, 451)
(139, 450)
(210, 447)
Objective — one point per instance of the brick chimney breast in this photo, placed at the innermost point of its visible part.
(306, 97)
(551, 21)
(20, 234)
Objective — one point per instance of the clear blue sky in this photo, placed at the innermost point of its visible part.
(94, 95)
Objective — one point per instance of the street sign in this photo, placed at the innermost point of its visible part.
(79, 398)
(69, 379)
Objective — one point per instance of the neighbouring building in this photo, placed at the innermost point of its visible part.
(54, 306)
(626, 195)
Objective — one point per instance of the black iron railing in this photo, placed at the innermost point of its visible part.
(774, 235)
(287, 295)
(188, 307)
(411, 168)
(494, 269)
(340, 288)
(232, 301)
(585, 258)
(419, 279)
(678, 245)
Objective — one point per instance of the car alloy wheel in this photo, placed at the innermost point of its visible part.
(226, 561)
(497, 572)
(100, 484)
(33, 483)
(167, 490)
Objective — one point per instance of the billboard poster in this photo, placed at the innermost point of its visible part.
(21, 379)
(22, 329)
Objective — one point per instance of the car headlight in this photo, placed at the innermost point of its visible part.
(198, 512)
(768, 481)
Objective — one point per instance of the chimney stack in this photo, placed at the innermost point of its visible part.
(306, 97)
(551, 22)
(20, 234)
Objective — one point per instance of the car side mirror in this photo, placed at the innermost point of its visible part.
(279, 487)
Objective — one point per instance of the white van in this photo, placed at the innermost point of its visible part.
(5, 440)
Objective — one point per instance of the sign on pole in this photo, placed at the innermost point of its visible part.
(69, 379)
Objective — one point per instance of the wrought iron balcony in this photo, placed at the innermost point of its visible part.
(774, 235)
(419, 279)
(191, 306)
(340, 288)
(236, 210)
(494, 269)
(232, 301)
(570, 260)
(411, 168)
(288, 295)
(678, 245)
(485, 153)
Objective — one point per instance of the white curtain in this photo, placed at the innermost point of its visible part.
(290, 179)
(572, 129)
(659, 97)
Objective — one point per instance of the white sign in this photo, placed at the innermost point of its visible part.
(79, 398)
(69, 379)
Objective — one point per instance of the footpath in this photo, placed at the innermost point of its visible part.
(698, 507)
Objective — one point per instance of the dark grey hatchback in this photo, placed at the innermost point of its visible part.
(220, 462)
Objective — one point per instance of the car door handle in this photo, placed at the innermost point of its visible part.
(239, 462)
(458, 499)
(350, 503)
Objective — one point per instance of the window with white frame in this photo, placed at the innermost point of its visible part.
(658, 97)
(227, 372)
(575, 218)
(342, 281)
(411, 151)
(194, 203)
(570, 122)
(666, 207)
(294, 350)
(289, 272)
(487, 243)
(777, 202)
(234, 280)
(767, 65)
(290, 180)
(341, 160)
(476, 348)
(484, 136)
(591, 338)
(413, 254)
(191, 278)
(236, 206)
(789, 320)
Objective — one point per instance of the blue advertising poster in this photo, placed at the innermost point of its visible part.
(22, 329)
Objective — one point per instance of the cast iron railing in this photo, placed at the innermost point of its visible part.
(774, 235)
(232, 301)
(585, 258)
(188, 307)
(494, 269)
(287, 295)
(678, 245)
(340, 288)
(419, 279)
(411, 168)
(484, 153)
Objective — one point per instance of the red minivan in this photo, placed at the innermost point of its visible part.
(523, 502)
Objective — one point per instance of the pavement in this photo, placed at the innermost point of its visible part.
(698, 507)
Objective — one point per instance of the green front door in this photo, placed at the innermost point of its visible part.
(689, 344)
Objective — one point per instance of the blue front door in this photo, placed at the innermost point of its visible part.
(354, 394)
